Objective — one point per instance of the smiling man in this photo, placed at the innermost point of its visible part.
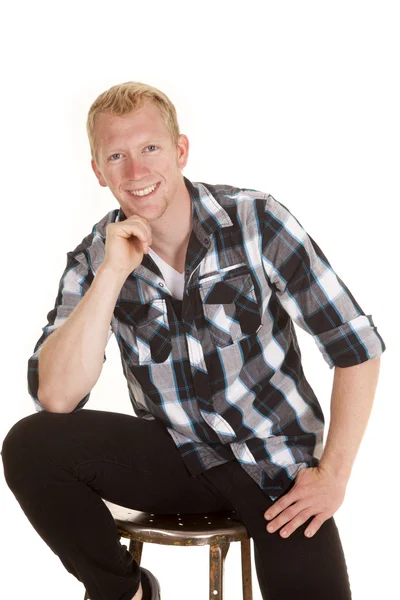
(201, 285)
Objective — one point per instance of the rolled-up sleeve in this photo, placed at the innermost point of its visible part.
(312, 294)
(74, 283)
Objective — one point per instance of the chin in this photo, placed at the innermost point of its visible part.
(150, 213)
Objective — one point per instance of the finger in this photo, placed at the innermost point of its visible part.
(142, 233)
(137, 218)
(314, 526)
(286, 516)
(138, 244)
(138, 229)
(280, 505)
(142, 237)
(143, 223)
(299, 520)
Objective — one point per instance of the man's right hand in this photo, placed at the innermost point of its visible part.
(126, 242)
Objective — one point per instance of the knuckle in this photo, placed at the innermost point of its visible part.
(319, 520)
(296, 523)
(137, 229)
(309, 512)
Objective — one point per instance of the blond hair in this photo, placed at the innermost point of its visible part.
(126, 98)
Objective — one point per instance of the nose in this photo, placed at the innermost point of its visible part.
(135, 168)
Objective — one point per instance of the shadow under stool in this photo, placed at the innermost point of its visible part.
(217, 530)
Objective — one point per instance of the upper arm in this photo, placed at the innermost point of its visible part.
(312, 294)
(73, 284)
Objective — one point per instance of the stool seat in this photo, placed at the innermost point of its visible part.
(179, 529)
(217, 530)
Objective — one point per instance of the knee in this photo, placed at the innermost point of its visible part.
(22, 443)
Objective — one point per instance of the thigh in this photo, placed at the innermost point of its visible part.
(129, 461)
(295, 567)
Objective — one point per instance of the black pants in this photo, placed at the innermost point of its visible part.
(60, 466)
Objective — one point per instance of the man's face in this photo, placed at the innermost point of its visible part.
(136, 152)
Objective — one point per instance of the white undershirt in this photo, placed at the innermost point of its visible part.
(174, 280)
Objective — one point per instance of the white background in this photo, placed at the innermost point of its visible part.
(298, 99)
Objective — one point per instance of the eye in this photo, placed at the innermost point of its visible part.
(151, 146)
(112, 155)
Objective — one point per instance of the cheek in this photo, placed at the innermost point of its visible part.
(116, 178)
(166, 165)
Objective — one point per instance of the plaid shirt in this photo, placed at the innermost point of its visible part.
(222, 367)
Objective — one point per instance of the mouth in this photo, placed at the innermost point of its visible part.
(145, 192)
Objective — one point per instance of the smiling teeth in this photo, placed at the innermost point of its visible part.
(144, 192)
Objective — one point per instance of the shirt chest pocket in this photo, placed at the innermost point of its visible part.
(145, 336)
(230, 306)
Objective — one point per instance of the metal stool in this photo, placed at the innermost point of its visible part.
(216, 529)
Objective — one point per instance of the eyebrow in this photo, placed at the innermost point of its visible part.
(144, 143)
(152, 140)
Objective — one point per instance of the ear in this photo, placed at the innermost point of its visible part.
(98, 174)
(182, 150)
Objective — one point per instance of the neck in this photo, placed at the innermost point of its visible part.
(172, 231)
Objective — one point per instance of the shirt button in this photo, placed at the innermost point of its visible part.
(206, 241)
(160, 283)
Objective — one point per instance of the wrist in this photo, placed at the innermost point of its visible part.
(110, 271)
(340, 472)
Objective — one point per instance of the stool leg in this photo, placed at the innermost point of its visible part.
(218, 553)
(246, 570)
(136, 548)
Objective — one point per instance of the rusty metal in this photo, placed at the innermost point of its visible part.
(218, 554)
(246, 570)
(217, 530)
(136, 549)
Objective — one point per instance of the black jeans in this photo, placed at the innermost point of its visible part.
(60, 466)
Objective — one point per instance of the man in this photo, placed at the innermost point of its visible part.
(200, 284)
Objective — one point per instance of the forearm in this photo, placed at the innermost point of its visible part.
(352, 397)
(71, 359)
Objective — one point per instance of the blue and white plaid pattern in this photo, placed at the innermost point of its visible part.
(224, 372)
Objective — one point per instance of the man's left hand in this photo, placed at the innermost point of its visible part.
(316, 491)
